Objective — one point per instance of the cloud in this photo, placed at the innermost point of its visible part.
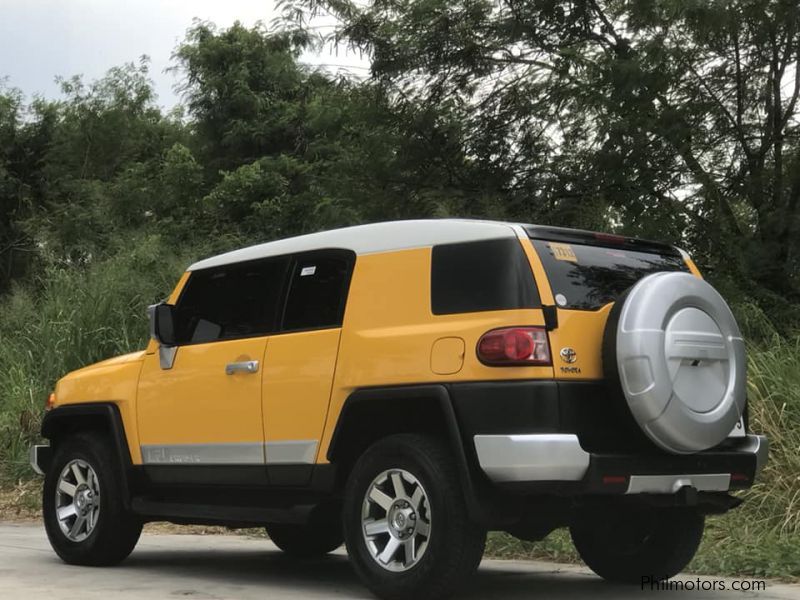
(42, 39)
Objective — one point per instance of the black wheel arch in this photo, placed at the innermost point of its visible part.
(370, 414)
(101, 417)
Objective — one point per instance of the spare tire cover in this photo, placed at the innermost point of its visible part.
(681, 361)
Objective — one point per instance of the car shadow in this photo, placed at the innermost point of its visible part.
(333, 575)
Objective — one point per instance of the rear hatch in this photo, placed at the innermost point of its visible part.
(587, 272)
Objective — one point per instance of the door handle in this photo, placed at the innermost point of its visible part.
(246, 366)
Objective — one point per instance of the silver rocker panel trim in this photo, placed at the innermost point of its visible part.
(284, 452)
(248, 453)
(290, 452)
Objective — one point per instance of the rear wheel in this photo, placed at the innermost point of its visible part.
(406, 523)
(83, 505)
(625, 545)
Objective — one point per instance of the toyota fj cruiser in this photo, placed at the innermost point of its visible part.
(404, 387)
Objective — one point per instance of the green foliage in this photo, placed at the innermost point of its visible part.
(659, 119)
(68, 318)
(667, 119)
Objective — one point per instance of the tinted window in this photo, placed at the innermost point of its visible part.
(590, 276)
(318, 290)
(479, 276)
(239, 300)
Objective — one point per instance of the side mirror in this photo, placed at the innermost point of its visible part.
(162, 326)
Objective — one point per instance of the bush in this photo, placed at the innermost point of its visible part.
(70, 317)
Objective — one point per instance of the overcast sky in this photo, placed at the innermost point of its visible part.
(40, 39)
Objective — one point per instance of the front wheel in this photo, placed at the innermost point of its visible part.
(83, 506)
(405, 520)
(624, 546)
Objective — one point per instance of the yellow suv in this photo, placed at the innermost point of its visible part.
(404, 387)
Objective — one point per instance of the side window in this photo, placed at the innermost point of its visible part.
(232, 301)
(318, 290)
(481, 276)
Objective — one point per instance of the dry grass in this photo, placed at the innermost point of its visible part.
(21, 502)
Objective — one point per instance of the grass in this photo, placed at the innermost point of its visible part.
(71, 317)
(76, 315)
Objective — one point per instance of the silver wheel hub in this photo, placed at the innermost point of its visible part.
(402, 520)
(396, 520)
(77, 500)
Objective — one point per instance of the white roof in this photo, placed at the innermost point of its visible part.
(372, 238)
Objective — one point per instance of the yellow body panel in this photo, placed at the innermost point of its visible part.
(582, 331)
(447, 355)
(539, 274)
(389, 332)
(298, 373)
(112, 380)
(196, 402)
(692, 267)
(389, 337)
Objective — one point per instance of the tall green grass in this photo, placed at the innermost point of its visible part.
(76, 315)
(72, 316)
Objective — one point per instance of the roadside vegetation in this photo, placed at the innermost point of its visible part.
(577, 121)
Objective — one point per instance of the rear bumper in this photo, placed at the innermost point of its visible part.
(549, 462)
(40, 456)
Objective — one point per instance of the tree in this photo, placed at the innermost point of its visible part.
(291, 149)
(11, 239)
(674, 118)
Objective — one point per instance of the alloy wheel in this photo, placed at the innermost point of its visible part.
(77, 500)
(396, 520)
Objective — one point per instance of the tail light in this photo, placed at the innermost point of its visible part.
(514, 346)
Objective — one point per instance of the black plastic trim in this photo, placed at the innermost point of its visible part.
(626, 465)
(219, 514)
(506, 407)
(550, 313)
(76, 417)
(210, 475)
(437, 393)
(294, 475)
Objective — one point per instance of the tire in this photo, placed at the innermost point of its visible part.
(317, 538)
(676, 362)
(109, 532)
(623, 546)
(448, 547)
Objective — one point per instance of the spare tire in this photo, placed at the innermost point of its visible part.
(674, 353)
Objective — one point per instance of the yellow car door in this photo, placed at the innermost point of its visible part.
(199, 402)
(300, 363)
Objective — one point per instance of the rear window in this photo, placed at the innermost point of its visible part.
(318, 290)
(587, 277)
(481, 276)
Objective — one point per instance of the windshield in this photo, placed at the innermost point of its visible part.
(587, 277)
